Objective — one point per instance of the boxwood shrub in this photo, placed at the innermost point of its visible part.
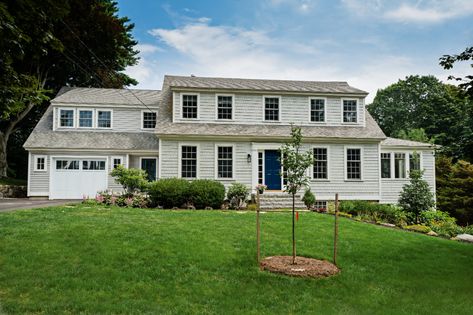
(206, 193)
(169, 192)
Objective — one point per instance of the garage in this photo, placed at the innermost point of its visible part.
(73, 178)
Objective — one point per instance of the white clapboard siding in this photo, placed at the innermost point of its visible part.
(248, 108)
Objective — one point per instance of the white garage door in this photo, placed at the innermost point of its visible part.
(73, 178)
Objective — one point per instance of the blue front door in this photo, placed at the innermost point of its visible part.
(272, 169)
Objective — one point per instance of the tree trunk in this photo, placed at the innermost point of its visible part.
(3, 155)
(293, 229)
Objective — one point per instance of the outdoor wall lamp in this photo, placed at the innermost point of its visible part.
(248, 158)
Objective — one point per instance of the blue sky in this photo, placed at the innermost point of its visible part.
(370, 43)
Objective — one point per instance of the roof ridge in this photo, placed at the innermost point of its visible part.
(254, 79)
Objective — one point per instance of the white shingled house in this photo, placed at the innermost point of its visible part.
(225, 129)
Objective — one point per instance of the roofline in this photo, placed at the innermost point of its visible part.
(262, 138)
(131, 105)
(49, 149)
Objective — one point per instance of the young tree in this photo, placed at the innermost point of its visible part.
(295, 164)
(416, 196)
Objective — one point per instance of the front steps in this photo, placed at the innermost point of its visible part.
(272, 201)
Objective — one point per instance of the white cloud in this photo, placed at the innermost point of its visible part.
(302, 6)
(147, 48)
(426, 11)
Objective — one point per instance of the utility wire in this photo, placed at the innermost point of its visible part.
(103, 64)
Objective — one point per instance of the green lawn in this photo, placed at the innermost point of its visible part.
(80, 259)
(12, 181)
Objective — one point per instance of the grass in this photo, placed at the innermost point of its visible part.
(83, 259)
(12, 181)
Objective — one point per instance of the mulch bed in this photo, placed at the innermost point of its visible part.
(304, 267)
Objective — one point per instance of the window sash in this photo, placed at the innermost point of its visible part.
(149, 120)
(93, 165)
(66, 118)
(189, 161)
(353, 166)
(116, 162)
(414, 161)
(385, 165)
(104, 119)
(85, 118)
(224, 107)
(350, 111)
(271, 108)
(40, 163)
(189, 106)
(67, 164)
(225, 162)
(320, 205)
(320, 166)
(317, 110)
(399, 165)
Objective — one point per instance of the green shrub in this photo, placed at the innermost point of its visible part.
(206, 193)
(374, 212)
(135, 200)
(237, 195)
(441, 223)
(417, 228)
(132, 179)
(468, 229)
(252, 207)
(416, 196)
(169, 192)
(308, 199)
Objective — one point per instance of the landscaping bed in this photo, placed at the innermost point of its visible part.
(302, 267)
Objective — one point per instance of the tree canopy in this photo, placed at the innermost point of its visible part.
(47, 44)
(448, 61)
(442, 111)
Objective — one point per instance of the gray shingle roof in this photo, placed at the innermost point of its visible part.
(262, 85)
(394, 142)
(371, 131)
(78, 95)
(43, 137)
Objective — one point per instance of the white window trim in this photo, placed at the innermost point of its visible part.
(179, 160)
(406, 161)
(391, 172)
(35, 163)
(97, 118)
(78, 117)
(73, 117)
(279, 108)
(357, 111)
(122, 161)
(150, 158)
(421, 161)
(217, 145)
(181, 97)
(216, 107)
(328, 164)
(143, 119)
(361, 163)
(310, 110)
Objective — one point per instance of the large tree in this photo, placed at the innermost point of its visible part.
(448, 61)
(47, 44)
(423, 102)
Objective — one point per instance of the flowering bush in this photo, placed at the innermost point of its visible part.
(261, 187)
(135, 200)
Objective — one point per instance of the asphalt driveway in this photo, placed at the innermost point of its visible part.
(25, 203)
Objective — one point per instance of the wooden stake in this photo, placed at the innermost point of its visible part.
(257, 228)
(335, 237)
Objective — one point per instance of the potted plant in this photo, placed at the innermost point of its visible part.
(261, 188)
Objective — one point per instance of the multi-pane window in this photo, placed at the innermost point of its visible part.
(353, 163)
(271, 108)
(40, 163)
(225, 162)
(149, 120)
(320, 163)
(67, 164)
(224, 107)
(116, 162)
(66, 118)
(260, 167)
(350, 111)
(85, 118)
(92, 165)
(188, 161)
(104, 119)
(414, 161)
(399, 165)
(385, 165)
(320, 206)
(189, 106)
(317, 110)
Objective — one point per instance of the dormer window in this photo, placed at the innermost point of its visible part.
(189, 106)
(350, 113)
(66, 118)
(224, 107)
(271, 108)
(317, 110)
(85, 118)
(104, 119)
(149, 120)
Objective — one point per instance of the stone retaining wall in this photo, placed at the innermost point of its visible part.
(12, 191)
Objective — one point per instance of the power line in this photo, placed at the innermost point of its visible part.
(103, 64)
